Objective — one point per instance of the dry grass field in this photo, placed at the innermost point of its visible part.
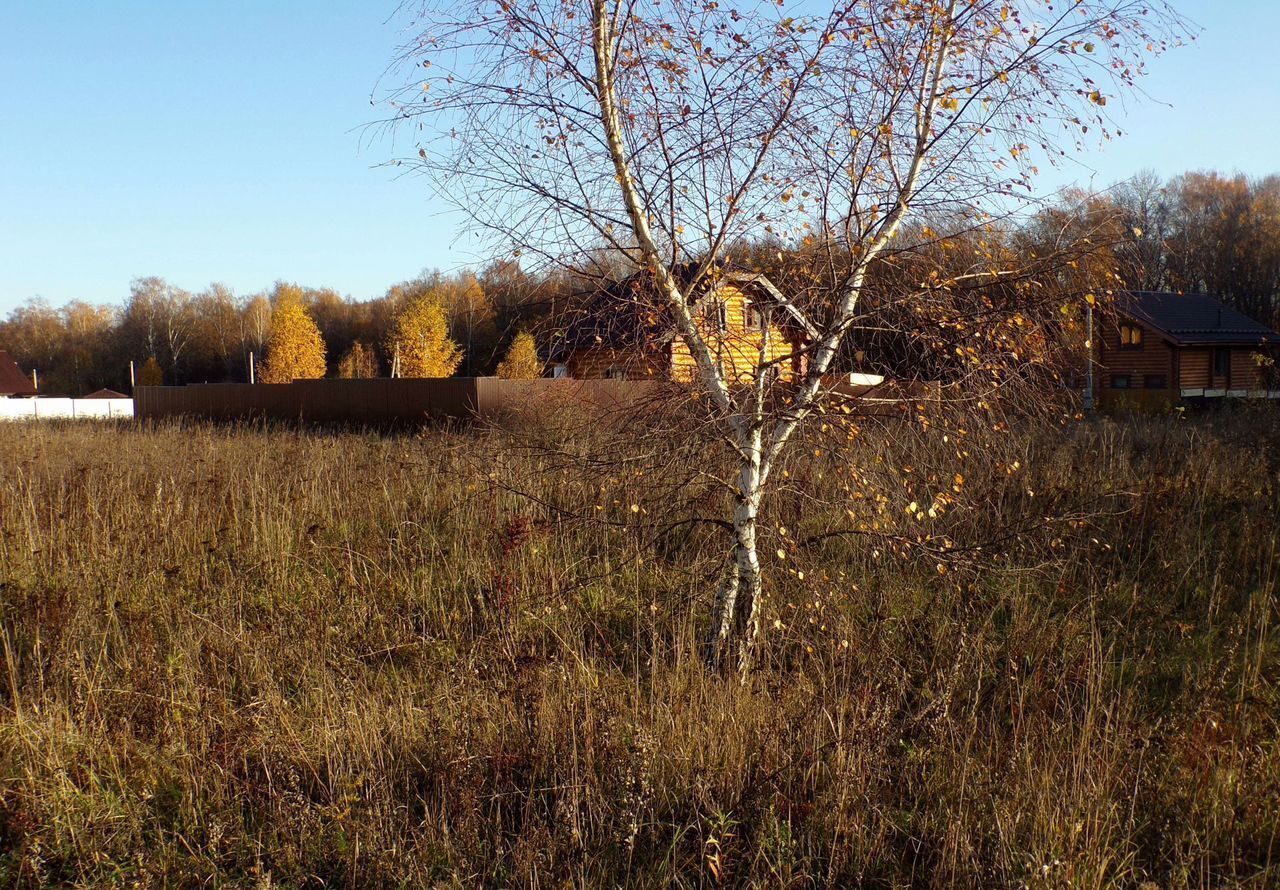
(262, 657)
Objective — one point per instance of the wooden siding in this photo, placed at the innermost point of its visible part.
(739, 355)
(1197, 369)
(1156, 358)
(1194, 363)
(738, 347)
(1246, 373)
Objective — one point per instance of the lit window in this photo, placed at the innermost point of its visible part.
(1130, 336)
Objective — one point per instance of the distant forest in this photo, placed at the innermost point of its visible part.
(1202, 232)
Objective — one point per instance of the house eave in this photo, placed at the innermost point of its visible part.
(1235, 343)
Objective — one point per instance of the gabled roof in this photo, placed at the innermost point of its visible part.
(629, 313)
(12, 381)
(105, 394)
(748, 280)
(1190, 319)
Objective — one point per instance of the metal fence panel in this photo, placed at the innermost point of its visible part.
(383, 400)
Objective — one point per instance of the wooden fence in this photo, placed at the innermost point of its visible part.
(384, 400)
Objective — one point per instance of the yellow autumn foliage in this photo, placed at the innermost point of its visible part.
(358, 362)
(150, 373)
(296, 349)
(420, 336)
(521, 361)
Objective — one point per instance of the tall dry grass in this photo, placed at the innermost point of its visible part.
(264, 657)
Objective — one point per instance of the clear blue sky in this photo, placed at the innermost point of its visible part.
(205, 141)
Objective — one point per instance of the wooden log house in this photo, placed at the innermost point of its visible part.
(1162, 349)
(625, 333)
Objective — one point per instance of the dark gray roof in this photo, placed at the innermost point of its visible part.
(1188, 319)
(12, 381)
(624, 314)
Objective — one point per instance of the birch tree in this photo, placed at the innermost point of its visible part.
(521, 361)
(296, 349)
(669, 131)
(420, 340)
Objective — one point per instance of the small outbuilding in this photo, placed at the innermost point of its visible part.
(1160, 349)
(12, 381)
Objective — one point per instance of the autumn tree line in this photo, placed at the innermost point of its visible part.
(1200, 231)
(432, 326)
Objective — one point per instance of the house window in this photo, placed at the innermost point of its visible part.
(1155, 381)
(755, 318)
(1221, 362)
(1130, 336)
(559, 370)
(615, 373)
(1119, 381)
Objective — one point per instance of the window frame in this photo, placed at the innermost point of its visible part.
(1130, 329)
(1224, 352)
(754, 318)
(1127, 378)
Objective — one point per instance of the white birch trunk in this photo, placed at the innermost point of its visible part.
(735, 617)
(737, 609)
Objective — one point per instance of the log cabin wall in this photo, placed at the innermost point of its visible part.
(737, 341)
(1194, 363)
(1194, 370)
(1137, 375)
(1199, 369)
(1246, 372)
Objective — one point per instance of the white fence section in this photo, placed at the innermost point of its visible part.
(28, 409)
(1197, 392)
